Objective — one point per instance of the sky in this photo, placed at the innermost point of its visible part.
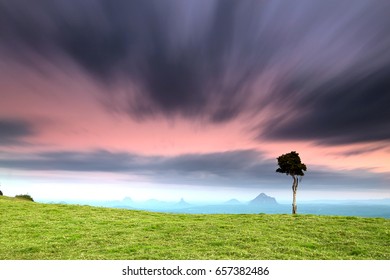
(173, 99)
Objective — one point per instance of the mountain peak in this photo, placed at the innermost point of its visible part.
(182, 202)
(232, 201)
(263, 199)
(127, 199)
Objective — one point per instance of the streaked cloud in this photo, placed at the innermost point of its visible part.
(239, 169)
(325, 63)
(197, 92)
(14, 132)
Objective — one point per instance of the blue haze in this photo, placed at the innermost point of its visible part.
(379, 208)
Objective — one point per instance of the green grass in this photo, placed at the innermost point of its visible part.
(31, 230)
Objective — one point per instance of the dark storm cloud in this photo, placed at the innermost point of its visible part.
(218, 164)
(323, 66)
(338, 112)
(225, 168)
(241, 169)
(13, 132)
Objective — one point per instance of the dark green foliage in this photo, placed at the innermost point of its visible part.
(1, 193)
(24, 197)
(291, 164)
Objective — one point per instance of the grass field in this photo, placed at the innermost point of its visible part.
(31, 230)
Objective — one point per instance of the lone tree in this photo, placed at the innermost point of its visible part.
(291, 164)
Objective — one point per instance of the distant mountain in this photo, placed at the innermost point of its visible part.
(127, 200)
(182, 203)
(233, 202)
(263, 199)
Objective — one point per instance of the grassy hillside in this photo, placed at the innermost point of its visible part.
(31, 230)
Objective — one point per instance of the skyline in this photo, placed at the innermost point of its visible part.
(194, 99)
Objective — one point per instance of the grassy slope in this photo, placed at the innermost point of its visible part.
(42, 231)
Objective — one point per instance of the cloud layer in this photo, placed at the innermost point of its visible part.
(239, 169)
(13, 131)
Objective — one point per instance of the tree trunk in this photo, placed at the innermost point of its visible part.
(294, 189)
(294, 205)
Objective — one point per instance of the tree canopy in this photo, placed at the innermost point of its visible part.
(291, 164)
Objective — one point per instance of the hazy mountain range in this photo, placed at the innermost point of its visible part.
(262, 200)
(260, 204)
